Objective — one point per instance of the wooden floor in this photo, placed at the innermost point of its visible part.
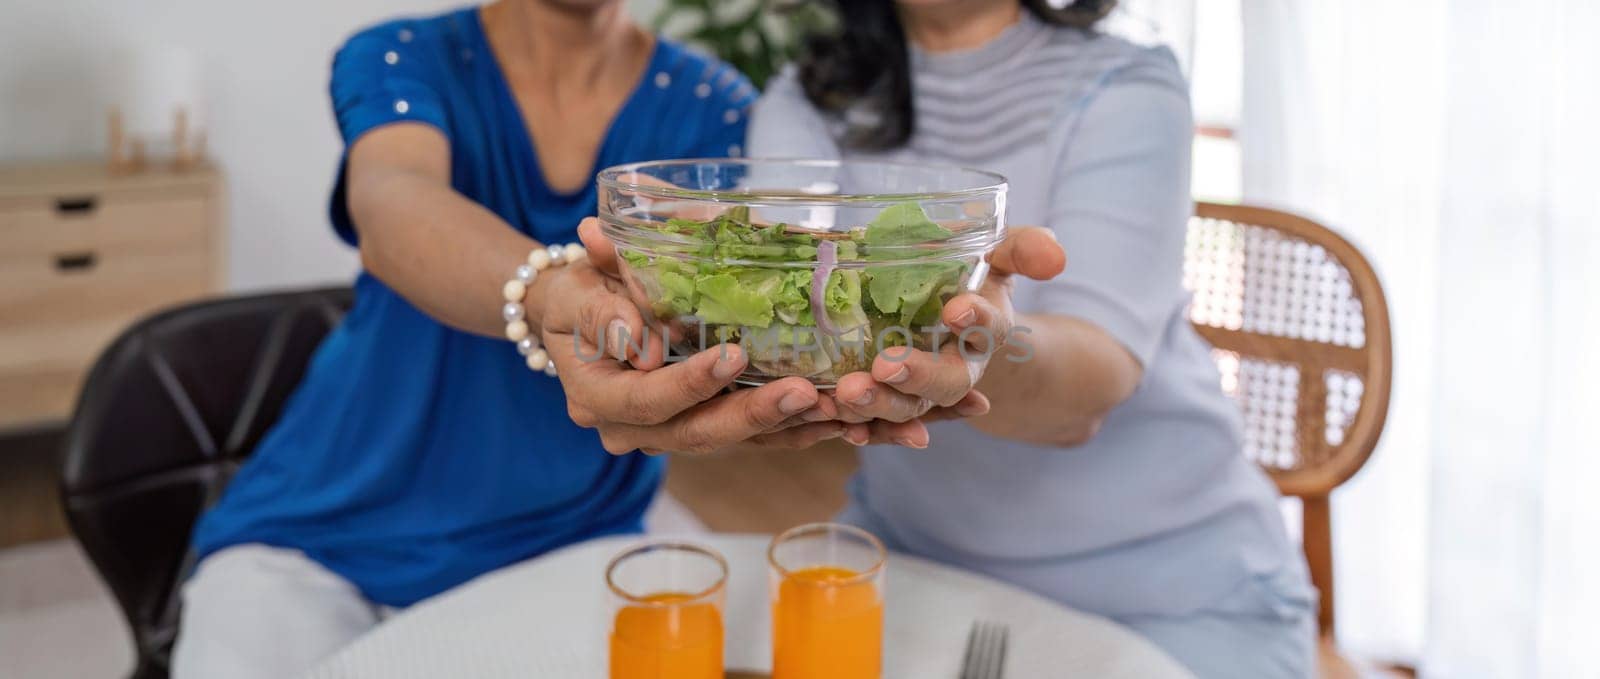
(751, 491)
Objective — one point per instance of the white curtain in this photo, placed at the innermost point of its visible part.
(1156, 22)
(1458, 143)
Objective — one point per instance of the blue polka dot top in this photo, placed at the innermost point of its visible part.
(413, 456)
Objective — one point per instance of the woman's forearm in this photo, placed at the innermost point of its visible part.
(444, 253)
(1073, 375)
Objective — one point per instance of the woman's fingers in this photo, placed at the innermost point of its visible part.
(721, 422)
(911, 433)
(860, 398)
(941, 378)
(974, 404)
(643, 343)
(857, 433)
(800, 436)
(1029, 251)
(603, 391)
(602, 252)
(946, 376)
(606, 320)
(978, 323)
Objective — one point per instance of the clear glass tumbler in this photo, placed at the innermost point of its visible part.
(666, 603)
(826, 584)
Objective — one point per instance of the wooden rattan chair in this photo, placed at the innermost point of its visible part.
(1301, 331)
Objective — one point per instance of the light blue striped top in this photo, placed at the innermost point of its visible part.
(1160, 514)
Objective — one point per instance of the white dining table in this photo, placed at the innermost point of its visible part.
(546, 617)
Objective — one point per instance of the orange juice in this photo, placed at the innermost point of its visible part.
(826, 626)
(667, 642)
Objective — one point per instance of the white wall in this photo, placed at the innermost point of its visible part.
(265, 80)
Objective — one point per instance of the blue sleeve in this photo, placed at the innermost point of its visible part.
(382, 75)
(727, 96)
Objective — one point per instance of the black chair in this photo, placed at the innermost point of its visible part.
(166, 416)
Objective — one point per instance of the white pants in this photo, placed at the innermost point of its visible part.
(254, 611)
(259, 612)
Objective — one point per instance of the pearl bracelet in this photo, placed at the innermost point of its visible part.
(515, 314)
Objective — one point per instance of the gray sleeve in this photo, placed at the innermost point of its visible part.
(784, 124)
(1120, 205)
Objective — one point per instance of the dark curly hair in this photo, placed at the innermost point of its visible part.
(861, 69)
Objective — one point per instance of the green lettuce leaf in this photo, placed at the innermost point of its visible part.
(686, 227)
(669, 282)
(724, 271)
(678, 293)
(635, 259)
(739, 240)
(909, 288)
(842, 297)
(724, 300)
(903, 224)
(792, 304)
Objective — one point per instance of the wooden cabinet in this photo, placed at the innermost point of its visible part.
(83, 254)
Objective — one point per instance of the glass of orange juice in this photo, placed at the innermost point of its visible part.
(827, 603)
(666, 612)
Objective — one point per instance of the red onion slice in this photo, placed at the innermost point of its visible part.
(827, 259)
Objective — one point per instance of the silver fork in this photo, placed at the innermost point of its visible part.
(986, 651)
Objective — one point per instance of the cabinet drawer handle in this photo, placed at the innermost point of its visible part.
(75, 261)
(76, 205)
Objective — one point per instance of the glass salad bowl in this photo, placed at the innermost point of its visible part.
(812, 266)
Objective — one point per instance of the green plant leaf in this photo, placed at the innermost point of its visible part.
(902, 224)
(757, 42)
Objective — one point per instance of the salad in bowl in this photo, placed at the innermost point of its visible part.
(813, 267)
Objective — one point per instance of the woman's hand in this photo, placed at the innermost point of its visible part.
(656, 406)
(908, 386)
